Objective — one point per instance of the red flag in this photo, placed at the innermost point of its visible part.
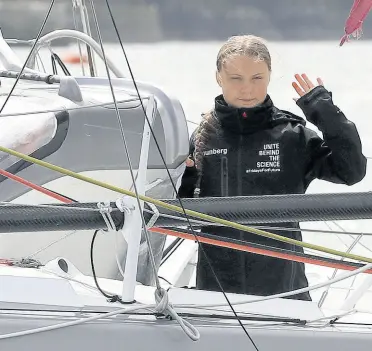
(353, 25)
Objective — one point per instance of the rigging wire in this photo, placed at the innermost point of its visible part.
(144, 227)
(328, 282)
(161, 296)
(349, 249)
(171, 249)
(74, 8)
(172, 182)
(29, 55)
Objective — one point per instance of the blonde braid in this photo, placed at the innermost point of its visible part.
(208, 126)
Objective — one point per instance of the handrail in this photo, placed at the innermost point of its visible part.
(75, 34)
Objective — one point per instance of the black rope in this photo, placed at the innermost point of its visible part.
(110, 298)
(65, 70)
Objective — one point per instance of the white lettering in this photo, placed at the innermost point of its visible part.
(268, 159)
(268, 152)
(268, 164)
(215, 152)
(271, 146)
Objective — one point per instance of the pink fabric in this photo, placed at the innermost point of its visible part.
(354, 22)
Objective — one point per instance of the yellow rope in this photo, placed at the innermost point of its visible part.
(188, 212)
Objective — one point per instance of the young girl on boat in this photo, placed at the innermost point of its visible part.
(247, 146)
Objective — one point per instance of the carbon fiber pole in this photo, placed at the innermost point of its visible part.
(245, 210)
(20, 218)
(277, 208)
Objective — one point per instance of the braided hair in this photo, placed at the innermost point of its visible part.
(208, 126)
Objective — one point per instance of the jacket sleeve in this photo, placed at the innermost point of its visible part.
(337, 157)
(190, 176)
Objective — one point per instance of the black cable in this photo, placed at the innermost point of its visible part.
(171, 180)
(111, 298)
(61, 63)
(167, 281)
(171, 246)
(29, 55)
(54, 66)
(257, 318)
(171, 249)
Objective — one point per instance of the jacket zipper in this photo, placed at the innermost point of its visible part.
(224, 177)
(239, 166)
(239, 183)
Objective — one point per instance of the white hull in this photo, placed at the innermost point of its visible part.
(57, 300)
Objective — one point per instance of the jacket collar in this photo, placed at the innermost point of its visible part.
(244, 120)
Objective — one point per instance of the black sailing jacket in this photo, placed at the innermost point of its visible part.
(264, 150)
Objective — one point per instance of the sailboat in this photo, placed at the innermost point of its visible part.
(102, 279)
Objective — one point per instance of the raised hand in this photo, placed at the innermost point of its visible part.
(304, 84)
